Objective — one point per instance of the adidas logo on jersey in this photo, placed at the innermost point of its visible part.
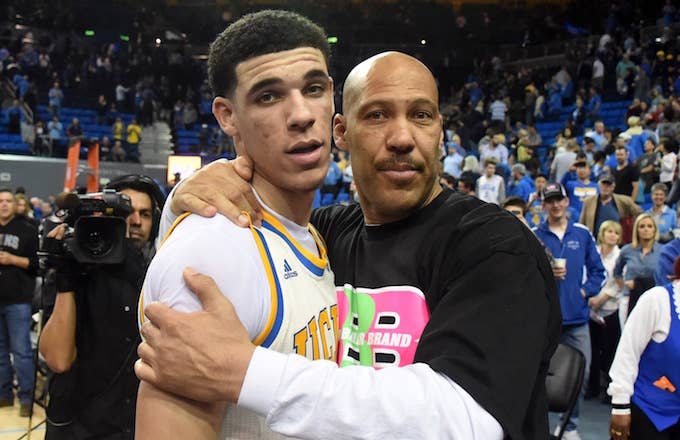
(288, 272)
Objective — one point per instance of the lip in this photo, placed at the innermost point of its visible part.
(400, 174)
(306, 153)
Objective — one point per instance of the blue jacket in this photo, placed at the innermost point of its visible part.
(664, 267)
(522, 189)
(578, 247)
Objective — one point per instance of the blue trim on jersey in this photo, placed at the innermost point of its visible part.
(313, 268)
(279, 295)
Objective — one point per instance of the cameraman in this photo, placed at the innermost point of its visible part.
(90, 339)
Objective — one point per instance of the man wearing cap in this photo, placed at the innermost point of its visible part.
(609, 206)
(520, 184)
(573, 254)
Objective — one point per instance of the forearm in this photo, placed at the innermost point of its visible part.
(20, 262)
(58, 338)
(165, 415)
(317, 399)
(634, 194)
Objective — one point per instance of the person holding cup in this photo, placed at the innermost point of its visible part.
(572, 251)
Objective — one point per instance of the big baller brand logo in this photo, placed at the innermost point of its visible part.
(380, 327)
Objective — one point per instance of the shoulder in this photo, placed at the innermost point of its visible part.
(582, 229)
(331, 219)
(655, 300)
(196, 237)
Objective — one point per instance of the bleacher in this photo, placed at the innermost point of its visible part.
(87, 119)
(612, 113)
(12, 143)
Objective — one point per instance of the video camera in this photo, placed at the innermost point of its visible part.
(97, 227)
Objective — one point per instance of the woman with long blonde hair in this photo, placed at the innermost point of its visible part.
(639, 259)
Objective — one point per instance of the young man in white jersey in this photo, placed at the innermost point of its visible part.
(490, 186)
(274, 95)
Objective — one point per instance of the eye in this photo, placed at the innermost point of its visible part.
(422, 115)
(267, 98)
(376, 115)
(315, 90)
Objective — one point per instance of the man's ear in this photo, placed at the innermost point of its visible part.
(340, 131)
(223, 110)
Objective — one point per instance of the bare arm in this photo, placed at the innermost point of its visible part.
(58, 339)
(636, 189)
(8, 259)
(222, 186)
(164, 415)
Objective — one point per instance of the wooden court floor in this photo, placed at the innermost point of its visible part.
(13, 427)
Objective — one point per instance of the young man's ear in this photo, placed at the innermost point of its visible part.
(339, 131)
(223, 109)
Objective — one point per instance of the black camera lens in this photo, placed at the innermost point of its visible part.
(94, 237)
(97, 243)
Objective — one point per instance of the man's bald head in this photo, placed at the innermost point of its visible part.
(380, 65)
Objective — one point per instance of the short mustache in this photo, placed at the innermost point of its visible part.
(400, 162)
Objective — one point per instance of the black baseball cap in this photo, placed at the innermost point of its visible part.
(606, 177)
(554, 189)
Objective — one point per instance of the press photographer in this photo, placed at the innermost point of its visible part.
(90, 339)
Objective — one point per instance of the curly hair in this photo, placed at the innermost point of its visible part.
(256, 34)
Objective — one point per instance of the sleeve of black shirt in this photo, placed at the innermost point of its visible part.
(496, 321)
(30, 250)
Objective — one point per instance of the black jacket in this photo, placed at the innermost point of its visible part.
(96, 398)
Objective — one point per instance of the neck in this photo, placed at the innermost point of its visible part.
(658, 209)
(606, 248)
(4, 221)
(375, 215)
(294, 205)
(646, 244)
(605, 198)
(557, 222)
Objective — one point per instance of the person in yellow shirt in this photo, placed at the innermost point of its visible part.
(117, 130)
(134, 135)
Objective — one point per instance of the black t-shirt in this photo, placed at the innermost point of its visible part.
(18, 237)
(99, 393)
(624, 179)
(494, 312)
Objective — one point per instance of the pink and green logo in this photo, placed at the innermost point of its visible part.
(380, 327)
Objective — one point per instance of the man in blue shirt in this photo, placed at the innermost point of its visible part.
(520, 184)
(666, 218)
(572, 251)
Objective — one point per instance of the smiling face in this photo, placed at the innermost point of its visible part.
(392, 129)
(556, 208)
(279, 115)
(611, 236)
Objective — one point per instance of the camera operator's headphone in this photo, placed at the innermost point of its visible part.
(147, 185)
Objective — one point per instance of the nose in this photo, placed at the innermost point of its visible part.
(300, 114)
(134, 218)
(399, 137)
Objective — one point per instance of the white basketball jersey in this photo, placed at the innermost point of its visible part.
(303, 317)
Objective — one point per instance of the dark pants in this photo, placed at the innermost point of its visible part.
(603, 339)
(643, 428)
